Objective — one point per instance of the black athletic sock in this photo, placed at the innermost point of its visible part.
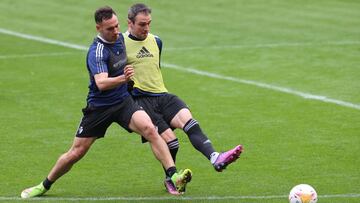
(173, 148)
(198, 139)
(47, 183)
(171, 171)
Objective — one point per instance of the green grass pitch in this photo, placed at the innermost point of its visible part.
(312, 47)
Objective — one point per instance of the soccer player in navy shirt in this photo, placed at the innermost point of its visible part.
(108, 101)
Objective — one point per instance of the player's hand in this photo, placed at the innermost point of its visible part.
(129, 72)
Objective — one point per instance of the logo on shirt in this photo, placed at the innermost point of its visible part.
(144, 53)
(123, 61)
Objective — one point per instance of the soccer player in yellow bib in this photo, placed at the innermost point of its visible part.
(166, 110)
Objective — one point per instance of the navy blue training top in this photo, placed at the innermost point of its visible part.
(110, 58)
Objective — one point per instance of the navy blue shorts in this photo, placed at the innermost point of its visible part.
(96, 120)
(161, 109)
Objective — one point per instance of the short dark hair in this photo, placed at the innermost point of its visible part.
(103, 13)
(135, 9)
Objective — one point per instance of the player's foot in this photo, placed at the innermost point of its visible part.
(226, 158)
(170, 187)
(181, 179)
(35, 191)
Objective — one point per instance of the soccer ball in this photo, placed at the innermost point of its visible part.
(303, 193)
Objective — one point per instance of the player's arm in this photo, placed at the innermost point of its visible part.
(104, 82)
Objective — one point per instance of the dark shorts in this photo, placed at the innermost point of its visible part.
(161, 109)
(96, 120)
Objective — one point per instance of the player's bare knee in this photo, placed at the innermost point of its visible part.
(168, 135)
(76, 154)
(149, 131)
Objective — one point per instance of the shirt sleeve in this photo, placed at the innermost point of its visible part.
(97, 59)
(159, 43)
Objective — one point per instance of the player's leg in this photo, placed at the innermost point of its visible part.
(176, 113)
(150, 105)
(79, 148)
(173, 145)
(63, 165)
(141, 123)
(184, 120)
(172, 142)
(133, 118)
(166, 134)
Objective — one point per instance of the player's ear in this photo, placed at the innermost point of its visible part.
(98, 27)
(129, 22)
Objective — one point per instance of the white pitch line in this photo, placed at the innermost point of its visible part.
(35, 55)
(199, 72)
(329, 196)
(42, 39)
(270, 45)
(264, 85)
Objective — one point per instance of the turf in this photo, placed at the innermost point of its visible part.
(308, 46)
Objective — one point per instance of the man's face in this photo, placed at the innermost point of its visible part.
(109, 29)
(141, 27)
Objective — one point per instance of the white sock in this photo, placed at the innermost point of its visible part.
(213, 157)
